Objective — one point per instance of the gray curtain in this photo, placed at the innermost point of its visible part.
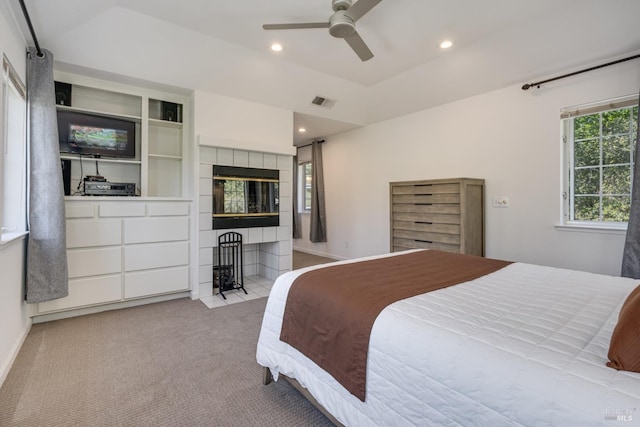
(47, 276)
(297, 233)
(631, 255)
(318, 232)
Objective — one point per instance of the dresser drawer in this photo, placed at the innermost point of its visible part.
(157, 229)
(159, 255)
(94, 261)
(438, 208)
(431, 227)
(87, 291)
(400, 244)
(425, 199)
(150, 282)
(423, 236)
(427, 189)
(83, 233)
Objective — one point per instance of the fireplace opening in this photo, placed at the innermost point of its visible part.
(245, 197)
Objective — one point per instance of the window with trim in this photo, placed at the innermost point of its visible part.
(599, 146)
(304, 187)
(13, 113)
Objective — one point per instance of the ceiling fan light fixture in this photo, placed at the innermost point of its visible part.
(341, 25)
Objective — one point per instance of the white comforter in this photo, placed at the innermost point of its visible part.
(526, 345)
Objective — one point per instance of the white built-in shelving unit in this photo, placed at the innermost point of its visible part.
(158, 169)
(124, 251)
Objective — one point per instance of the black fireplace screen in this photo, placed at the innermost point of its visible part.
(245, 197)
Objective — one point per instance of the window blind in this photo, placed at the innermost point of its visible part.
(627, 101)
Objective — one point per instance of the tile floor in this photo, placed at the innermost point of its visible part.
(256, 287)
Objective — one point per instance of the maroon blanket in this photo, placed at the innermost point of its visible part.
(330, 311)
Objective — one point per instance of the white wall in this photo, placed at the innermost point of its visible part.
(14, 312)
(232, 119)
(509, 137)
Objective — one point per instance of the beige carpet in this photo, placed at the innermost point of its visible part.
(303, 259)
(174, 363)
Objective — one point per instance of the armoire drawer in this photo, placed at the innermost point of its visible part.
(421, 236)
(404, 244)
(427, 189)
(427, 226)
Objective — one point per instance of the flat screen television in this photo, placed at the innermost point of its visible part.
(97, 136)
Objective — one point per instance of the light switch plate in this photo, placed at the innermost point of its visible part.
(500, 202)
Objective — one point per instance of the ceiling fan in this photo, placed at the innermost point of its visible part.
(342, 24)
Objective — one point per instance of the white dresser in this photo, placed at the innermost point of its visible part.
(123, 249)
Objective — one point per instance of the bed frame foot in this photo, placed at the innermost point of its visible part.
(266, 376)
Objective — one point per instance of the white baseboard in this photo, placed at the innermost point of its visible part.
(8, 363)
(106, 307)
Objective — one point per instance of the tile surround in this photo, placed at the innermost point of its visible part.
(267, 250)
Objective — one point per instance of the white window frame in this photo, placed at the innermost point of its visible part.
(13, 155)
(567, 142)
(302, 187)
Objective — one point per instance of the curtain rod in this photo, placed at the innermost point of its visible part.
(537, 85)
(33, 33)
(319, 141)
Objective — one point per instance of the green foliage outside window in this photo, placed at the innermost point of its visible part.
(235, 200)
(603, 150)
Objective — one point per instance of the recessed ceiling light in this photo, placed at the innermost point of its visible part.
(276, 47)
(302, 130)
(446, 44)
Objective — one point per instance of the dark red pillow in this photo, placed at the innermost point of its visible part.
(624, 349)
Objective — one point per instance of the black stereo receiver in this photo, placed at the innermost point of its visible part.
(104, 188)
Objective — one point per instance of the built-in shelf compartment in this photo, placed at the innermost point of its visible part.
(165, 111)
(104, 101)
(157, 122)
(136, 119)
(157, 169)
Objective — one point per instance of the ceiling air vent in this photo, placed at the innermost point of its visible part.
(321, 101)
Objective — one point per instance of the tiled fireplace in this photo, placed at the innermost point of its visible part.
(267, 250)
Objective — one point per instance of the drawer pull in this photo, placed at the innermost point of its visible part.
(422, 241)
(423, 185)
(423, 204)
(423, 222)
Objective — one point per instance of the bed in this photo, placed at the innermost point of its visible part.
(523, 345)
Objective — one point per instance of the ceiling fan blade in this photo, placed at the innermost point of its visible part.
(361, 7)
(359, 46)
(302, 25)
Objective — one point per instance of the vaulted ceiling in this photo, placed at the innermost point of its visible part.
(220, 46)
